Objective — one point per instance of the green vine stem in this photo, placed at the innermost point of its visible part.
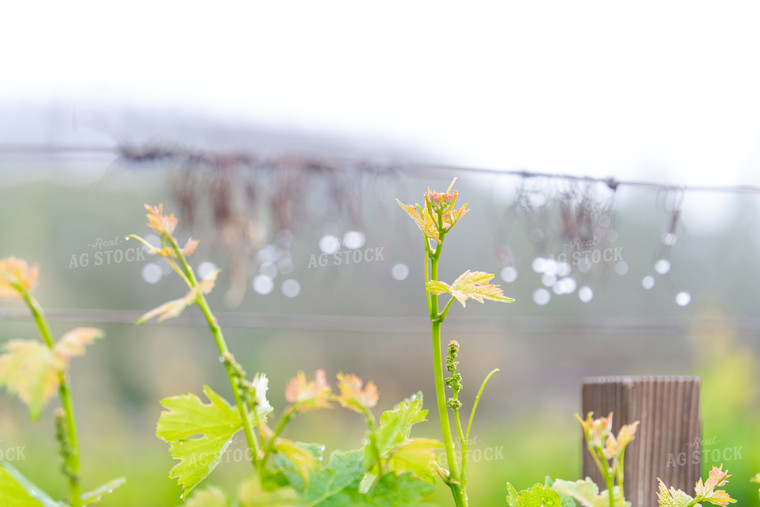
(284, 420)
(372, 426)
(69, 440)
(216, 332)
(436, 319)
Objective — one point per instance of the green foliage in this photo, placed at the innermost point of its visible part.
(186, 417)
(587, 494)
(338, 483)
(396, 424)
(538, 496)
(404, 490)
(435, 220)
(33, 371)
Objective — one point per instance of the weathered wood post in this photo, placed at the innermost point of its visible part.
(668, 439)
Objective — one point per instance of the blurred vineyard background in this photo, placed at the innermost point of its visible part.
(273, 212)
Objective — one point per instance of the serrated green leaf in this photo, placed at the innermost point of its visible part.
(209, 497)
(415, 455)
(302, 459)
(566, 501)
(396, 424)
(395, 427)
(17, 491)
(97, 494)
(187, 416)
(587, 493)
(344, 470)
(293, 465)
(470, 285)
(404, 490)
(538, 496)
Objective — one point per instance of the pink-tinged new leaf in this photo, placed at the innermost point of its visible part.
(425, 222)
(706, 491)
(470, 285)
(74, 342)
(440, 202)
(189, 247)
(308, 395)
(171, 309)
(175, 307)
(16, 274)
(162, 225)
(355, 397)
(671, 497)
(29, 370)
(207, 284)
(452, 217)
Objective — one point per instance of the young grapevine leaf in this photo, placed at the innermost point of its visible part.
(73, 343)
(187, 416)
(672, 497)
(396, 424)
(175, 307)
(423, 219)
(538, 496)
(30, 370)
(470, 285)
(301, 457)
(415, 455)
(17, 491)
(587, 493)
(16, 276)
(327, 488)
(404, 490)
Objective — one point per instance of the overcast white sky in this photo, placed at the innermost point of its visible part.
(647, 90)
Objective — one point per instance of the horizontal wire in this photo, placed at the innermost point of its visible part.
(556, 326)
(150, 153)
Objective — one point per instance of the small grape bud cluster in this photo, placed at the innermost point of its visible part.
(455, 381)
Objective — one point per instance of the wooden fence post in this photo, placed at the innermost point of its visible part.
(668, 439)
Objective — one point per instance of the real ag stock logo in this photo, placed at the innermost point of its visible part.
(106, 252)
